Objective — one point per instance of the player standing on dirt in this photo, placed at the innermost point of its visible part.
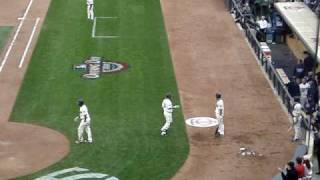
(84, 123)
(219, 115)
(167, 112)
(90, 9)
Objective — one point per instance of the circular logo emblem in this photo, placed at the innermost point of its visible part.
(94, 67)
(202, 122)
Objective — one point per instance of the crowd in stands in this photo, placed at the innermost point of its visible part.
(263, 19)
(312, 4)
(301, 170)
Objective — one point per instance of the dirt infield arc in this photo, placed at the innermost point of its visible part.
(24, 148)
(210, 55)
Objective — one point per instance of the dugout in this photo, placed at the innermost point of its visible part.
(302, 22)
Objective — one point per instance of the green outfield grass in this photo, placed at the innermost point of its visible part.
(4, 34)
(125, 107)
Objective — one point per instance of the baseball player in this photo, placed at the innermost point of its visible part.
(90, 9)
(167, 112)
(297, 118)
(84, 123)
(219, 115)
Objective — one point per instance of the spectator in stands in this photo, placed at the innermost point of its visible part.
(308, 62)
(293, 88)
(313, 93)
(246, 9)
(291, 172)
(299, 167)
(309, 109)
(299, 71)
(316, 123)
(317, 149)
(263, 25)
(307, 169)
(307, 2)
(304, 86)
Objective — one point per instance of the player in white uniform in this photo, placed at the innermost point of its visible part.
(167, 112)
(297, 118)
(90, 9)
(84, 123)
(219, 115)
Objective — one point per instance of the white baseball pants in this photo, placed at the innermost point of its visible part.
(221, 125)
(168, 118)
(90, 11)
(297, 127)
(84, 126)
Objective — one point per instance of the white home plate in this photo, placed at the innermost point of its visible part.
(202, 122)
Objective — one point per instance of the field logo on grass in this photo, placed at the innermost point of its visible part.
(94, 67)
(74, 174)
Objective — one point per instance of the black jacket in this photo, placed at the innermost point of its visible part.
(291, 175)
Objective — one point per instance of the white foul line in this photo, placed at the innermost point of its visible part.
(95, 24)
(29, 42)
(15, 36)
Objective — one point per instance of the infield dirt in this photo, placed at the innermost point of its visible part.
(23, 148)
(211, 55)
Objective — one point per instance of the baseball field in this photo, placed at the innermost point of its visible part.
(125, 107)
(191, 49)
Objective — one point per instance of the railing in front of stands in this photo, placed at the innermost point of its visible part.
(269, 69)
(267, 65)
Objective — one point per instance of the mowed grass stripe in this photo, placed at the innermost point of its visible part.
(125, 107)
(4, 34)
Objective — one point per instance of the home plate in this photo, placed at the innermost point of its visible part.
(202, 122)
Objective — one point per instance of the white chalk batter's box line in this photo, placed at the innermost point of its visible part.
(95, 25)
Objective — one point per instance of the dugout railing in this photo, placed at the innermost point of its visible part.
(276, 81)
(266, 64)
(279, 87)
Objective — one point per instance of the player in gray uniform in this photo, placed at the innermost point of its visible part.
(84, 123)
(90, 9)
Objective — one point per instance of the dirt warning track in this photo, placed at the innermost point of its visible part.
(24, 148)
(211, 55)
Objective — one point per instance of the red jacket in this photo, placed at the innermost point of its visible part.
(300, 170)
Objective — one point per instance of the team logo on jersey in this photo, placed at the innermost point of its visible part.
(94, 67)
